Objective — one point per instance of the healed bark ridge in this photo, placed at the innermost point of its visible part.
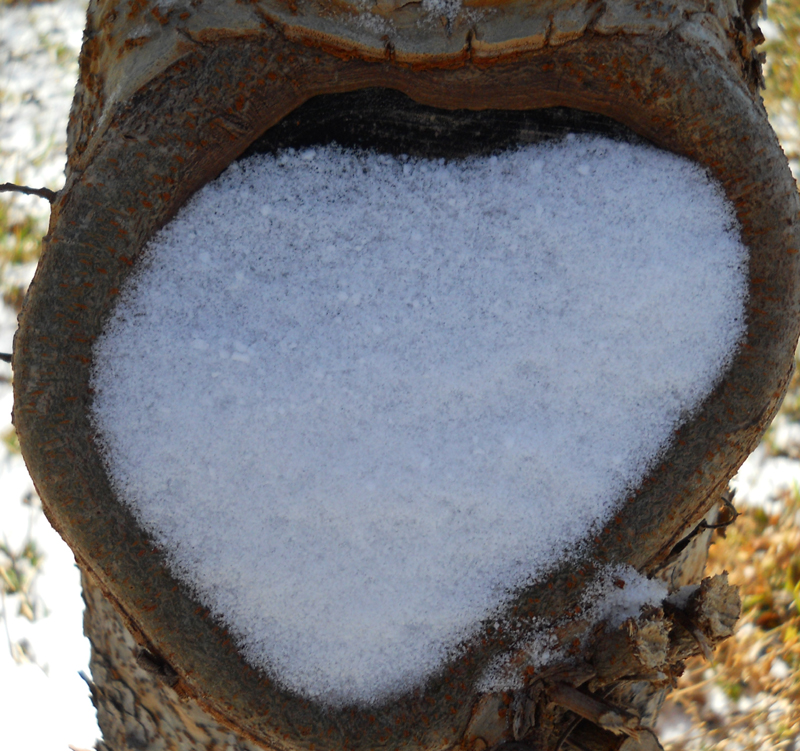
(170, 94)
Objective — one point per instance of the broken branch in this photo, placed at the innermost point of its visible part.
(50, 195)
(600, 712)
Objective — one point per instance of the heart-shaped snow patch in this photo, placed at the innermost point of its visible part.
(361, 399)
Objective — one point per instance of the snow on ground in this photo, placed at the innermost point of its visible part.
(44, 702)
(765, 477)
(39, 43)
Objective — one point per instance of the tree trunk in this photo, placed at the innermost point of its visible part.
(137, 704)
(141, 704)
(169, 95)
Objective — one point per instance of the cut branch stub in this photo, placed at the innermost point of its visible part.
(619, 690)
(170, 95)
(638, 648)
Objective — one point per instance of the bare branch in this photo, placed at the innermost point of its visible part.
(596, 710)
(50, 195)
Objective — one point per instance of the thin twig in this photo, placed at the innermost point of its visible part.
(5, 357)
(598, 711)
(571, 725)
(50, 195)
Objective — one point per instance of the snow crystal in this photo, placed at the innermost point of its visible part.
(438, 8)
(620, 592)
(616, 593)
(680, 597)
(423, 382)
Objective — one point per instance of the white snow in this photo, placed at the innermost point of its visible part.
(764, 478)
(680, 598)
(779, 670)
(620, 592)
(442, 8)
(40, 660)
(617, 592)
(44, 679)
(39, 46)
(361, 399)
(44, 703)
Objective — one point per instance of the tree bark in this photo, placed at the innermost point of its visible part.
(137, 705)
(140, 704)
(169, 95)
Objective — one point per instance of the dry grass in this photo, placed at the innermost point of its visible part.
(750, 697)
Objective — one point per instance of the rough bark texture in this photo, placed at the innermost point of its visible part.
(138, 706)
(171, 93)
(129, 44)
